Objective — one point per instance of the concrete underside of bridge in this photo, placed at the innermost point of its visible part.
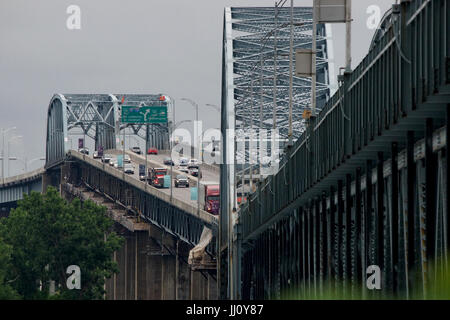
(153, 264)
(5, 208)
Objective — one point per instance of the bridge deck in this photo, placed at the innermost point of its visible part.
(178, 200)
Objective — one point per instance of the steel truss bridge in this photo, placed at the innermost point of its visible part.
(259, 48)
(364, 184)
(98, 117)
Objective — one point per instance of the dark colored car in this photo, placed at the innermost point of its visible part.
(84, 151)
(136, 150)
(181, 180)
(168, 161)
(152, 151)
(193, 171)
(142, 175)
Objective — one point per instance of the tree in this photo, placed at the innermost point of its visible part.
(6, 291)
(48, 234)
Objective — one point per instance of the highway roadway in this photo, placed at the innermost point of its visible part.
(183, 194)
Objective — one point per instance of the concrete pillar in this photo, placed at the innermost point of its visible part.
(198, 286)
(154, 264)
(130, 266)
(168, 267)
(141, 265)
(183, 275)
(212, 287)
(120, 281)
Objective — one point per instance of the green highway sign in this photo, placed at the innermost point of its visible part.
(144, 114)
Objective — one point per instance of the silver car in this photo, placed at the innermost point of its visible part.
(128, 168)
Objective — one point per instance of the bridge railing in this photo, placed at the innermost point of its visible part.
(32, 175)
(408, 64)
(176, 217)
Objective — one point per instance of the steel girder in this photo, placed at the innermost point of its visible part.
(366, 184)
(260, 39)
(255, 77)
(98, 117)
(179, 223)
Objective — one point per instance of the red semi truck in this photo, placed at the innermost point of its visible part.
(156, 176)
(209, 193)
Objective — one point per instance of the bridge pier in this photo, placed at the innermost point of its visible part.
(153, 266)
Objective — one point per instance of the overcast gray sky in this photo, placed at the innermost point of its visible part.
(133, 46)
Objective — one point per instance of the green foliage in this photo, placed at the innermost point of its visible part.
(6, 291)
(48, 234)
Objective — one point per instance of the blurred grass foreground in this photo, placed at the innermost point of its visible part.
(434, 284)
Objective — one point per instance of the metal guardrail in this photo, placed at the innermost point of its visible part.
(187, 207)
(21, 178)
(177, 217)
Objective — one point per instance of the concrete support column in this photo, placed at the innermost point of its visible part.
(183, 275)
(120, 278)
(168, 267)
(212, 287)
(154, 261)
(141, 265)
(153, 266)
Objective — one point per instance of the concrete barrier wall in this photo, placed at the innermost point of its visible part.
(187, 207)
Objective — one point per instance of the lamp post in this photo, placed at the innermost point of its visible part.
(195, 105)
(3, 151)
(26, 161)
(213, 106)
(9, 143)
(199, 145)
(171, 129)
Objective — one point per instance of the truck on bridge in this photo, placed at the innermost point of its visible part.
(156, 176)
(209, 193)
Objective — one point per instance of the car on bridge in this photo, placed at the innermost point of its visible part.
(193, 162)
(142, 175)
(168, 161)
(106, 158)
(96, 155)
(112, 162)
(193, 170)
(181, 180)
(84, 151)
(128, 168)
(183, 169)
(183, 162)
(127, 159)
(136, 150)
(152, 151)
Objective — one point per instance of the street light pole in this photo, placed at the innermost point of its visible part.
(9, 143)
(171, 129)
(26, 161)
(199, 146)
(3, 151)
(195, 105)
